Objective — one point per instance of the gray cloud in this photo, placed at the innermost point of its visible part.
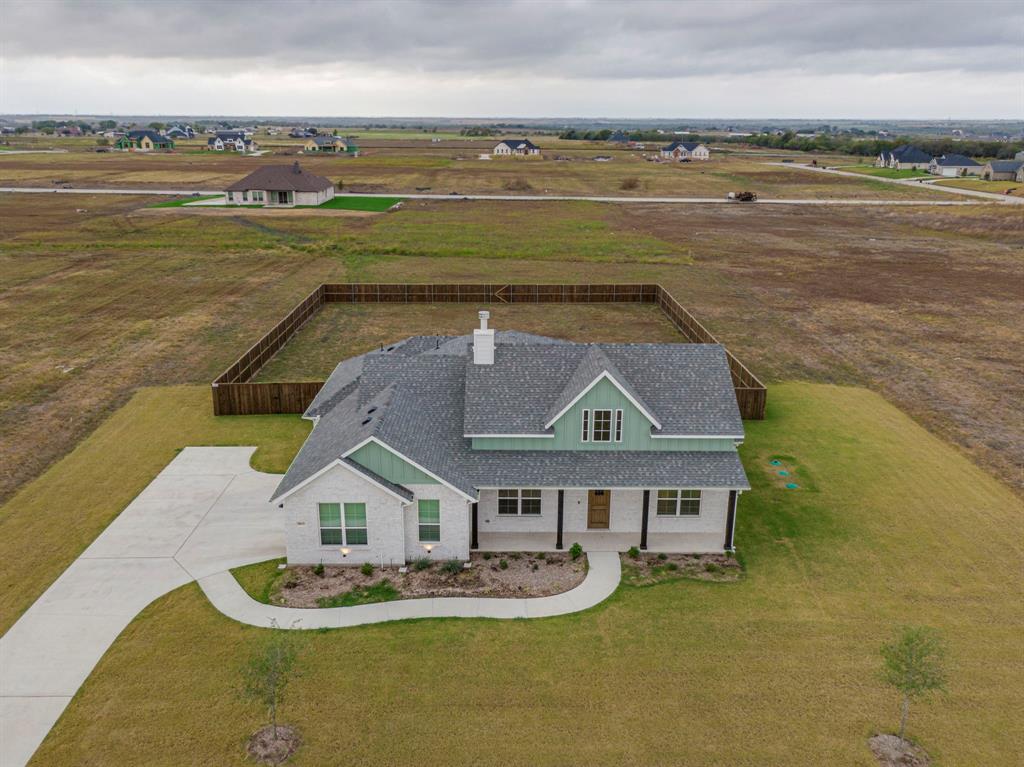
(581, 39)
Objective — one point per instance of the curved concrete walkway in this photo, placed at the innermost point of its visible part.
(602, 579)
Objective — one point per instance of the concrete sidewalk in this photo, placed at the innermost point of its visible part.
(205, 512)
(602, 579)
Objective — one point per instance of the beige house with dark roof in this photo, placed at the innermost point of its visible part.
(280, 186)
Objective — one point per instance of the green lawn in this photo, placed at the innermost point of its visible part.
(373, 204)
(871, 170)
(184, 201)
(890, 526)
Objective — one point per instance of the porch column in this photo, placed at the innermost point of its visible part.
(730, 521)
(643, 519)
(561, 515)
(474, 542)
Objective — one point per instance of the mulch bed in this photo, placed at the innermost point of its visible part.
(649, 568)
(894, 751)
(523, 575)
(265, 749)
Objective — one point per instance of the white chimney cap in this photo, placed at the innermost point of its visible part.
(484, 316)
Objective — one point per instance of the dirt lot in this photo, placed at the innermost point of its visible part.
(922, 305)
(490, 575)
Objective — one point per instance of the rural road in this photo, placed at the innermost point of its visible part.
(928, 183)
(542, 198)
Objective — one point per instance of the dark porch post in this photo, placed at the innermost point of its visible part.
(730, 521)
(561, 514)
(643, 519)
(475, 542)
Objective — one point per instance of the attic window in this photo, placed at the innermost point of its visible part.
(602, 426)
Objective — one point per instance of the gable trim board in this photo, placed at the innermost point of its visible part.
(411, 462)
(604, 375)
(340, 462)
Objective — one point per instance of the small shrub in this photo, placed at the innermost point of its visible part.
(630, 183)
(366, 569)
(452, 567)
(711, 567)
(663, 556)
(575, 551)
(517, 185)
(423, 563)
(542, 556)
(536, 567)
(672, 566)
(318, 570)
(503, 564)
(634, 552)
(487, 555)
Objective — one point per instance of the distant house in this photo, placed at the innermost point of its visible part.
(904, 157)
(181, 131)
(1001, 170)
(953, 165)
(685, 150)
(143, 141)
(334, 144)
(280, 186)
(515, 146)
(215, 144)
(619, 138)
(1019, 156)
(231, 135)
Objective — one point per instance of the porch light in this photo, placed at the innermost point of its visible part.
(429, 547)
(344, 551)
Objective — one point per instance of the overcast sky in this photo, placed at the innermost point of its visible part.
(591, 58)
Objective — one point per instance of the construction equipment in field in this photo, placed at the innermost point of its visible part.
(741, 197)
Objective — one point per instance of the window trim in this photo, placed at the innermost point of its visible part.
(342, 527)
(678, 500)
(611, 417)
(420, 524)
(586, 425)
(618, 425)
(365, 527)
(518, 497)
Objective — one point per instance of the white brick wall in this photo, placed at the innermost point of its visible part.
(455, 524)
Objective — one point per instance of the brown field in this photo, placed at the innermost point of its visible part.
(921, 304)
(444, 170)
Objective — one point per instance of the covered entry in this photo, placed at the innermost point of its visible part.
(598, 509)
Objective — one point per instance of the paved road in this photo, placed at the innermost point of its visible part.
(923, 183)
(205, 512)
(522, 197)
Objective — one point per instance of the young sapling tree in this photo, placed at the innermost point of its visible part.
(913, 664)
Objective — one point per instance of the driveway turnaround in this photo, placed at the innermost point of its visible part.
(602, 579)
(205, 513)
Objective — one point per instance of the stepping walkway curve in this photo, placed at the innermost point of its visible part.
(602, 579)
(205, 513)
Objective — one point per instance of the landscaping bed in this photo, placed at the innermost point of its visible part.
(645, 568)
(490, 574)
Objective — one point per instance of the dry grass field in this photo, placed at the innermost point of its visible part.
(444, 170)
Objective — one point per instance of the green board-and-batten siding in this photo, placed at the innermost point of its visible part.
(392, 467)
(636, 429)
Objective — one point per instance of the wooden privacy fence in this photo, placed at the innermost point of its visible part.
(235, 394)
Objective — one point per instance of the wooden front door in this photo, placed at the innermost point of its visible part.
(598, 509)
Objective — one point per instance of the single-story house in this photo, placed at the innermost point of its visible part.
(1001, 170)
(280, 186)
(952, 165)
(904, 157)
(334, 144)
(515, 146)
(438, 445)
(143, 141)
(685, 150)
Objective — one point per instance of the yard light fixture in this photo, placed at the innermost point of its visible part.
(344, 551)
(429, 547)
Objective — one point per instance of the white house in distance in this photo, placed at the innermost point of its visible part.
(685, 150)
(953, 165)
(904, 157)
(515, 146)
(280, 186)
(509, 441)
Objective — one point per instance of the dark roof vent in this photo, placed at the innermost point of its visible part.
(296, 168)
(372, 409)
(366, 421)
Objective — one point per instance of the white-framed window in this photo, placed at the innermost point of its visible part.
(429, 520)
(342, 524)
(257, 196)
(602, 429)
(245, 196)
(678, 503)
(518, 502)
(618, 426)
(586, 426)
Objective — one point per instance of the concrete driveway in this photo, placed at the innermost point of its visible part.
(207, 511)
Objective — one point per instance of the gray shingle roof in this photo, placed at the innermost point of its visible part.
(909, 153)
(283, 178)
(689, 146)
(519, 143)
(1005, 166)
(412, 397)
(956, 160)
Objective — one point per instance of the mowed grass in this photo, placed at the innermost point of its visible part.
(92, 484)
(979, 185)
(780, 668)
(340, 331)
(181, 201)
(871, 170)
(371, 204)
